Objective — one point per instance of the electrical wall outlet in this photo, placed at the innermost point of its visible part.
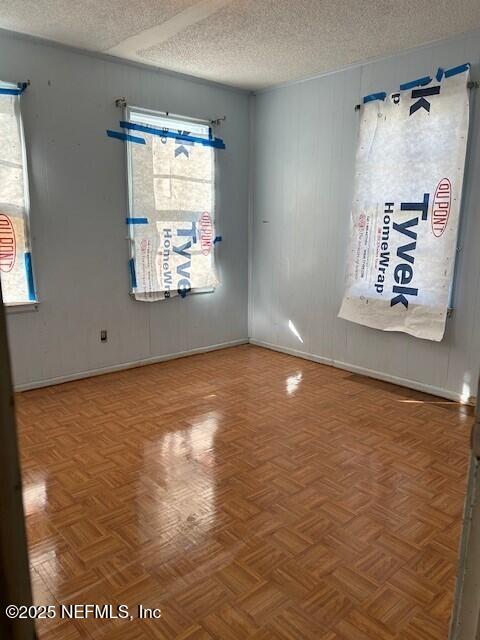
(103, 335)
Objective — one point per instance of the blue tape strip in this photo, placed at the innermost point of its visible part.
(133, 275)
(455, 70)
(136, 220)
(374, 96)
(420, 82)
(20, 88)
(29, 273)
(124, 136)
(10, 92)
(217, 239)
(217, 143)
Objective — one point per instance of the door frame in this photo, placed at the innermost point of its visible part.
(15, 585)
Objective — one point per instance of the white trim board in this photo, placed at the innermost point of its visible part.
(369, 373)
(126, 365)
(162, 32)
(403, 382)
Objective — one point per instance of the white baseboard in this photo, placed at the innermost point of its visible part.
(370, 373)
(126, 365)
(378, 375)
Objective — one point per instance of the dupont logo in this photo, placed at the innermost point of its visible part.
(205, 228)
(441, 207)
(8, 243)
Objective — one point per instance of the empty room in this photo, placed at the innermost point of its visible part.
(240, 320)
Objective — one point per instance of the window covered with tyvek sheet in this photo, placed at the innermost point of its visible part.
(15, 257)
(171, 219)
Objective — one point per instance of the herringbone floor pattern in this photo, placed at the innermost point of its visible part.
(247, 494)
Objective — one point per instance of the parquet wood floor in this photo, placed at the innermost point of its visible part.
(248, 494)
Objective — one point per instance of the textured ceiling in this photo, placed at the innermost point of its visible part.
(246, 43)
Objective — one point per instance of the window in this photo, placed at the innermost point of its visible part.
(15, 253)
(406, 205)
(171, 178)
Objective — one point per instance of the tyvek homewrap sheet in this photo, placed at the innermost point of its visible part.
(404, 223)
(172, 220)
(15, 257)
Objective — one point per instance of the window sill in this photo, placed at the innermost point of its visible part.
(20, 307)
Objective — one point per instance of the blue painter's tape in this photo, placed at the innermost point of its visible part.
(217, 143)
(420, 82)
(19, 89)
(124, 136)
(374, 96)
(217, 239)
(136, 220)
(133, 275)
(440, 73)
(29, 273)
(455, 70)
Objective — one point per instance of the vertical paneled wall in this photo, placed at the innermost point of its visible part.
(301, 171)
(303, 179)
(78, 208)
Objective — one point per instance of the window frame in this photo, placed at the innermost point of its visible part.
(176, 119)
(30, 304)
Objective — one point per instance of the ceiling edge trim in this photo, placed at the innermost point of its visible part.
(365, 62)
(18, 35)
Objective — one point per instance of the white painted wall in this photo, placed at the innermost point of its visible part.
(304, 164)
(78, 208)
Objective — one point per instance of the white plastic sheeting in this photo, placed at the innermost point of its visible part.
(15, 256)
(405, 215)
(172, 206)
